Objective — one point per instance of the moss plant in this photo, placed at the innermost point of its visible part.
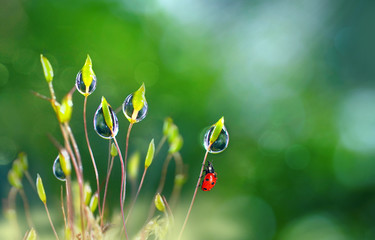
(82, 208)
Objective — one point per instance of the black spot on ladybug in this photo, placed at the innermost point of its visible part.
(207, 179)
(212, 183)
(205, 189)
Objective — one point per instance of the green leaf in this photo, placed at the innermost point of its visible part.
(40, 189)
(87, 73)
(47, 68)
(107, 113)
(159, 203)
(139, 98)
(218, 126)
(150, 154)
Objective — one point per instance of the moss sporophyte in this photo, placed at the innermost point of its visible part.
(85, 215)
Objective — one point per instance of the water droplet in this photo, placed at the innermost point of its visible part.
(81, 87)
(100, 125)
(221, 142)
(57, 170)
(127, 109)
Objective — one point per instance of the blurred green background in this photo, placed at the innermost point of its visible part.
(293, 78)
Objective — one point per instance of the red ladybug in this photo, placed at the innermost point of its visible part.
(210, 177)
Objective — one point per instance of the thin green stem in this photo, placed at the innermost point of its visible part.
(179, 170)
(126, 157)
(92, 159)
(195, 193)
(136, 196)
(78, 173)
(106, 185)
(123, 176)
(50, 221)
(29, 178)
(26, 207)
(160, 145)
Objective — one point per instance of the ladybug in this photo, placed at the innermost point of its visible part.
(210, 177)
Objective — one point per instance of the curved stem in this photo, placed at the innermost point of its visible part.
(106, 185)
(26, 207)
(50, 221)
(123, 176)
(126, 156)
(136, 196)
(195, 193)
(92, 159)
(78, 173)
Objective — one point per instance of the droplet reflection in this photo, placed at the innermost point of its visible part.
(127, 109)
(57, 170)
(221, 142)
(81, 87)
(100, 125)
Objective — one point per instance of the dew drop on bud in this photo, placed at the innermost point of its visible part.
(127, 109)
(57, 170)
(221, 142)
(81, 87)
(101, 126)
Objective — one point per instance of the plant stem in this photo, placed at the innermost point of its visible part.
(136, 196)
(62, 206)
(78, 173)
(176, 188)
(161, 143)
(26, 207)
(92, 159)
(195, 193)
(69, 205)
(126, 156)
(50, 221)
(29, 178)
(123, 176)
(106, 185)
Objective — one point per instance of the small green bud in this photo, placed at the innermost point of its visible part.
(159, 203)
(216, 138)
(64, 111)
(113, 150)
(31, 234)
(87, 72)
(172, 133)
(106, 113)
(14, 179)
(94, 202)
(65, 162)
(17, 167)
(168, 122)
(218, 126)
(150, 154)
(47, 68)
(40, 189)
(87, 193)
(23, 158)
(139, 98)
(176, 144)
(134, 166)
